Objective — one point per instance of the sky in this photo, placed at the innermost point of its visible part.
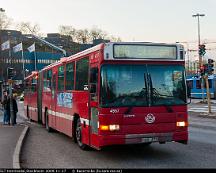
(132, 20)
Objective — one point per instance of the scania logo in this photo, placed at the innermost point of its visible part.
(114, 111)
(150, 118)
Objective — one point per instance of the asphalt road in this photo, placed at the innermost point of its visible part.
(55, 150)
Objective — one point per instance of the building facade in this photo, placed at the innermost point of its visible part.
(25, 62)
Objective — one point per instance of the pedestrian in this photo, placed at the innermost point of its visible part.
(15, 107)
(13, 117)
(4, 105)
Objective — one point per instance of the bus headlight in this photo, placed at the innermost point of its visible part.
(181, 124)
(112, 127)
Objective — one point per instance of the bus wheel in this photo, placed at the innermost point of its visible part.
(47, 122)
(79, 135)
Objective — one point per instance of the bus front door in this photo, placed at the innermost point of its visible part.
(94, 142)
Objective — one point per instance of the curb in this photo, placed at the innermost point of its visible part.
(16, 155)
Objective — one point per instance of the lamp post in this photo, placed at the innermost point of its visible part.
(1, 83)
(198, 17)
(200, 57)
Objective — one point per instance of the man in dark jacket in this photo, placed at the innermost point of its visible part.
(15, 110)
(4, 104)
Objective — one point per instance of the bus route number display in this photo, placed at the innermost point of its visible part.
(145, 51)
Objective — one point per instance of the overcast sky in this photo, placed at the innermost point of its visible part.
(131, 20)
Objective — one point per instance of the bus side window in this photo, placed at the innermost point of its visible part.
(53, 87)
(69, 83)
(61, 78)
(93, 83)
(49, 76)
(198, 84)
(44, 80)
(82, 70)
(26, 86)
(33, 85)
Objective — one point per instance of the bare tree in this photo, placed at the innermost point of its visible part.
(68, 30)
(114, 39)
(86, 35)
(5, 22)
(97, 33)
(83, 36)
(28, 28)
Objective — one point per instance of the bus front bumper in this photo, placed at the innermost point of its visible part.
(181, 137)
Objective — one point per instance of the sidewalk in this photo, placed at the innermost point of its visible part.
(20, 115)
(197, 105)
(9, 136)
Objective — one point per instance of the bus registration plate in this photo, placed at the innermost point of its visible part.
(150, 139)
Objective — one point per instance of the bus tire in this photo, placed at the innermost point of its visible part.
(78, 133)
(48, 128)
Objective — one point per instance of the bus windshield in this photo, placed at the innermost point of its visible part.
(142, 85)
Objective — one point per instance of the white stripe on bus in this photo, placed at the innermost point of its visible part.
(62, 115)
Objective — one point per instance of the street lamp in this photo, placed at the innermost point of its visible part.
(200, 57)
(1, 83)
(198, 16)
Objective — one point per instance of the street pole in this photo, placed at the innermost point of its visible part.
(200, 57)
(1, 84)
(208, 94)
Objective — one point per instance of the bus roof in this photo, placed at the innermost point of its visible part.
(82, 53)
(101, 46)
(33, 73)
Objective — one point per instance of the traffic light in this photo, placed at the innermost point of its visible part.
(210, 66)
(10, 72)
(202, 50)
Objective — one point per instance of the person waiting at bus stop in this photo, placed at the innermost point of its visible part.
(4, 105)
(15, 110)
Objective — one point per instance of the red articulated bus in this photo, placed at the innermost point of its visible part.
(112, 94)
(30, 96)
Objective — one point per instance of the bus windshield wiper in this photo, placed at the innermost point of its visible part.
(146, 79)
